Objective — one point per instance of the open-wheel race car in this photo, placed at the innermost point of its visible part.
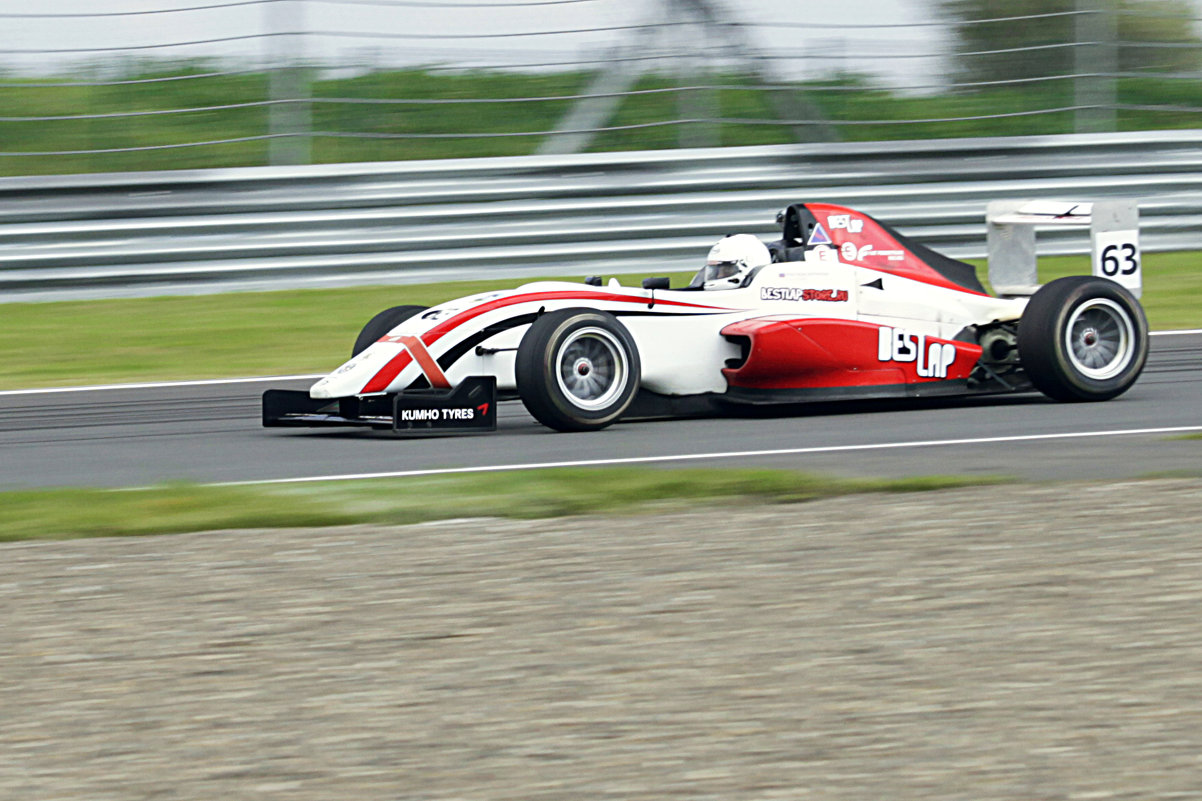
(841, 307)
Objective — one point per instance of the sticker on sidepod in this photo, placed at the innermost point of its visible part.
(899, 345)
(797, 294)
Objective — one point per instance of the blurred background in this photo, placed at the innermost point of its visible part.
(116, 85)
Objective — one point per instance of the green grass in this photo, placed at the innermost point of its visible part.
(1172, 288)
(311, 331)
(858, 109)
(69, 513)
(205, 336)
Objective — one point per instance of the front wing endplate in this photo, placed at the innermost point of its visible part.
(471, 406)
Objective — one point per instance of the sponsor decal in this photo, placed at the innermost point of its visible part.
(820, 236)
(899, 345)
(821, 253)
(436, 415)
(797, 293)
(845, 222)
(853, 253)
(468, 407)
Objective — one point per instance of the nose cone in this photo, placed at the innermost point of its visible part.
(330, 387)
(352, 377)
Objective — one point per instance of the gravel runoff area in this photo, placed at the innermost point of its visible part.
(1014, 642)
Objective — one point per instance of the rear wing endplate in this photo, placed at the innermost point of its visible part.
(1113, 237)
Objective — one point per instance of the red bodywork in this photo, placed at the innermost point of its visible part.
(820, 353)
(864, 242)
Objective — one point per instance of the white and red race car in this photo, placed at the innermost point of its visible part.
(841, 307)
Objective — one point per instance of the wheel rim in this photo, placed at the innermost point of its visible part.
(592, 368)
(1100, 339)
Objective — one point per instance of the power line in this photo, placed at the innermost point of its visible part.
(898, 25)
(344, 35)
(144, 13)
(129, 48)
(40, 84)
(451, 3)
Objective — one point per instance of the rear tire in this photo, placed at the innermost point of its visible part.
(381, 324)
(1083, 338)
(577, 369)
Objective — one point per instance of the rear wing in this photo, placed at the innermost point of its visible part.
(1113, 236)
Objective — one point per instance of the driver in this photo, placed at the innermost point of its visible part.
(732, 262)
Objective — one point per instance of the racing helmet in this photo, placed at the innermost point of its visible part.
(731, 262)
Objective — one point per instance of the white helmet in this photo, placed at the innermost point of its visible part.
(731, 262)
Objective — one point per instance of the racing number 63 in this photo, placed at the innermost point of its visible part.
(1111, 264)
(1116, 257)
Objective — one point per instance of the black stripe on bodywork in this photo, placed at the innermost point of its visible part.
(446, 360)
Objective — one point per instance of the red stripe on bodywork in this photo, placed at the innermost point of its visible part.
(434, 373)
(383, 378)
(388, 373)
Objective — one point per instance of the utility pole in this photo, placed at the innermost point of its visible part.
(289, 117)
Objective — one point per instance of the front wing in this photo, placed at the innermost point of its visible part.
(471, 406)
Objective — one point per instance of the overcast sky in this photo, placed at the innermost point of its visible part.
(856, 31)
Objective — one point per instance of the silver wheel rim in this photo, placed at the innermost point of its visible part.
(1100, 339)
(591, 368)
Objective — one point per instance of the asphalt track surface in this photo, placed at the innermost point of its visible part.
(210, 432)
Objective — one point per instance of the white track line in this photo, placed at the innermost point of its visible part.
(680, 457)
(269, 378)
(160, 385)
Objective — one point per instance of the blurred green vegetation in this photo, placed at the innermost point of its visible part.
(311, 331)
(1017, 39)
(526, 494)
(858, 109)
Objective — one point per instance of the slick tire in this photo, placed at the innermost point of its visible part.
(381, 324)
(1083, 338)
(577, 369)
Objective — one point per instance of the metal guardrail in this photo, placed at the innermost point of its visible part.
(650, 212)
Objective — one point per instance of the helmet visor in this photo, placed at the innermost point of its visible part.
(715, 271)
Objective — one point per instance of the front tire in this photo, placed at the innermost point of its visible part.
(1083, 338)
(577, 369)
(381, 324)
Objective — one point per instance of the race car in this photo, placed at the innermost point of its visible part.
(842, 306)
